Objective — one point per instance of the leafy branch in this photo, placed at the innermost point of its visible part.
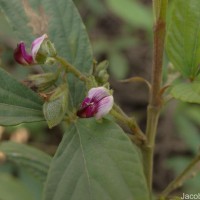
(116, 111)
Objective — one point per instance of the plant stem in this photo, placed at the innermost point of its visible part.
(181, 178)
(71, 68)
(155, 102)
(148, 150)
(118, 114)
(158, 49)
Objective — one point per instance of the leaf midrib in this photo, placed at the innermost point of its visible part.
(22, 107)
(84, 161)
(25, 99)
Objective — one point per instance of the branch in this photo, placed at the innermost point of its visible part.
(71, 68)
(139, 137)
(189, 172)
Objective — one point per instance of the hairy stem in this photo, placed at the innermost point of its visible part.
(118, 114)
(181, 178)
(70, 68)
(155, 102)
(148, 150)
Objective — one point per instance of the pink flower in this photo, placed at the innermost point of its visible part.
(97, 104)
(23, 57)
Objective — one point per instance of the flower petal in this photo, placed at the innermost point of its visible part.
(36, 45)
(104, 106)
(21, 56)
(97, 104)
(86, 102)
(88, 108)
(98, 93)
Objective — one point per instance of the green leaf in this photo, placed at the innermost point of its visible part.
(96, 161)
(183, 37)
(13, 189)
(55, 108)
(65, 29)
(34, 160)
(187, 92)
(18, 103)
(132, 12)
(16, 16)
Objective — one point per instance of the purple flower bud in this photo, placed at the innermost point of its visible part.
(23, 57)
(97, 104)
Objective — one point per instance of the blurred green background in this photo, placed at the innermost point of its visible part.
(120, 32)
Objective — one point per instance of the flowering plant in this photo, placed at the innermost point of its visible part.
(104, 154)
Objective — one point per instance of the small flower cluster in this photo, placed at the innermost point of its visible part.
(99, 101)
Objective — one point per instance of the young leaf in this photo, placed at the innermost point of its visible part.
(183, 37)
(34, 160)
(64, 28)
(96, 161)
(187, 92)
(18, 103)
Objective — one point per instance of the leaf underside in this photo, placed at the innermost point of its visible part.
(96, 161)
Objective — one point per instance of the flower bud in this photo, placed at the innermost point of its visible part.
(41, 49)
(21, 56)
(51, 49)
(97, 104)
(50, 61)
(100, 72)
(44, 81)
(38, 50)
